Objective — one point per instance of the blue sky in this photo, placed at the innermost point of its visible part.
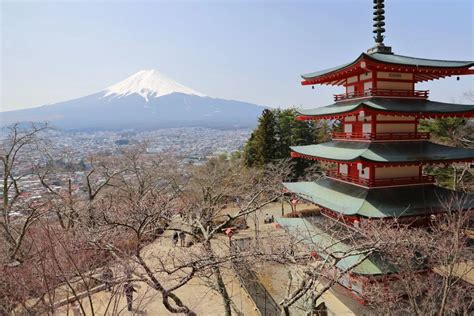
(245, 50)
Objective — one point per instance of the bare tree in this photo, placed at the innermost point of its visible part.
(433, 261)
(20, 143)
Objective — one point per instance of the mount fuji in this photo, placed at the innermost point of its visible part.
(145, 100)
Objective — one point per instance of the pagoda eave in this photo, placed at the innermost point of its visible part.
(356, 203)
(383, 153)
(423, 69)
(354, 112)
(382, 164)
(420, 109)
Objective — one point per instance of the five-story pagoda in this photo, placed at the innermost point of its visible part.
(380, 154)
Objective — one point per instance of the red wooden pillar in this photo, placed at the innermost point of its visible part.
(372, 174)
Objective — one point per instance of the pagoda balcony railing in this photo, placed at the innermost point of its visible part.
(381, 136)
(389, 93)
(424, 179)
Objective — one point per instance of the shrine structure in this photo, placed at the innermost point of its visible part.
(379, 155)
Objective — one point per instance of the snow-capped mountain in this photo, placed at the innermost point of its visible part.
(147, 99)
(148, 84)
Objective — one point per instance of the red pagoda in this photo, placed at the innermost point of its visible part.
(380, 154)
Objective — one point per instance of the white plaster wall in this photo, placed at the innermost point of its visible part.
(352, 79)
(366, 76)
(366, 173)
(343, 168)
(366, 128)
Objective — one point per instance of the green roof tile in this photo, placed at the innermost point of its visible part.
(404, 152)
(348, 199)
(391, 105)
(398, 60)
(324, 244)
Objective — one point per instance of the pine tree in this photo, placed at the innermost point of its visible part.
(261, 147)
(276, 132)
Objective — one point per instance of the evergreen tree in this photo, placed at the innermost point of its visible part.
(261, 148)
(250, 151)
(452, 131)
(286, 121)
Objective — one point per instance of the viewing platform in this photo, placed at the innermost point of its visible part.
(380, 136)
(385, 93)
(402, 181)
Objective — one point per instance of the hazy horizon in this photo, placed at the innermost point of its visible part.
(246, 51)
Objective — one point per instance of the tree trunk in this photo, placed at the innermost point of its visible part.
(219, 282)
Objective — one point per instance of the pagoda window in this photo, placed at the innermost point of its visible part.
(343, 168)
(361, 117)
(367, 85)
(367, 75)
(352, 79)
(364, 173)
(350, 89)
(367, 128)
(351, 118)
(347, 128)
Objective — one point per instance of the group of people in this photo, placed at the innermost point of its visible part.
(268, 219)
(181, 236)
(108, 278)
(128, 288)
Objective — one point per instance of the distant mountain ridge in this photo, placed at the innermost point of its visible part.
(145, 100)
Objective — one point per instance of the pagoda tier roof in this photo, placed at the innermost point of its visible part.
(403, 153)
(424, 69)
(351, 200)
(421, 108)
(325, 245)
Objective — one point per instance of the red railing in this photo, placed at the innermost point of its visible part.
(425, 179)
(381, 136)
(410, 94)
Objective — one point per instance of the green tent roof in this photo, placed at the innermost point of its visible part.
(391, 105)
(348, 199)
(404, 152)
(324, 244)
(398, 60)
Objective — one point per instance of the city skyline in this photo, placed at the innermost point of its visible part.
(248, 51)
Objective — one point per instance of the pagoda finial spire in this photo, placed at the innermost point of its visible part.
(379, 18)
(379, 23)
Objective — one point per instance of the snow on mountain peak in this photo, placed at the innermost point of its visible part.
(148, 84)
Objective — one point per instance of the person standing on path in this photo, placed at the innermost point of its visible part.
(107, 277)
(129, 289)
(175, 238)
(182, 238)
(76, 309)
